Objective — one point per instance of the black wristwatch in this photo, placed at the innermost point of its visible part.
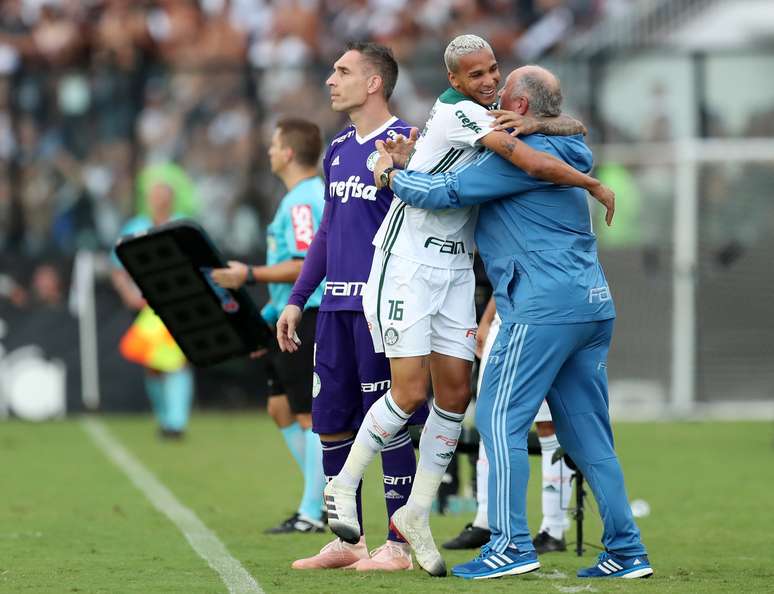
(384, 177)
(250, 280)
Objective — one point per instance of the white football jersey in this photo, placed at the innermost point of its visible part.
(439, 238)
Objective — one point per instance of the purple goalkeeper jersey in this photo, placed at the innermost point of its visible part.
(357, 209)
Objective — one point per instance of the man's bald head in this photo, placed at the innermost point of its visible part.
(538, 86)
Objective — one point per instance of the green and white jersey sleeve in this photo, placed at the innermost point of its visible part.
(450, 140)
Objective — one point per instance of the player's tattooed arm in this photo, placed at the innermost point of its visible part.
(561, 125)
(549, 168)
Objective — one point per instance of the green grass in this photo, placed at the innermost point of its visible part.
(72, 522)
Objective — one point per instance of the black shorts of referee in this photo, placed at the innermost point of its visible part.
(291, 373)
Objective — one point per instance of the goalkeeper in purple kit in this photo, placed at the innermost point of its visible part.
(349, 376)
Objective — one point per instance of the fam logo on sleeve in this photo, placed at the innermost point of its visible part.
(303, 225)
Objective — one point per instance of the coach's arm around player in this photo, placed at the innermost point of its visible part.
(535, 163)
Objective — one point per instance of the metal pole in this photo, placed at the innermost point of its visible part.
(87, 328)
(684, 267)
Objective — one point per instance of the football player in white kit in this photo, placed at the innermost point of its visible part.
(419, 296)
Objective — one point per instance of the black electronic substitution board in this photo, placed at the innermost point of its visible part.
(171, 265)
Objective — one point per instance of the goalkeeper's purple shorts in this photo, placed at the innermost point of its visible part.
(348, 375)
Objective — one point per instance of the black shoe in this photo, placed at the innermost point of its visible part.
(545, 543)
(296, 523)
(471, 537)
(173, 434)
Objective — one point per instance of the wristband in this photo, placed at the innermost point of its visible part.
(250, 280)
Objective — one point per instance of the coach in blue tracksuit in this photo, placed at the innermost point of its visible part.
(540, 253)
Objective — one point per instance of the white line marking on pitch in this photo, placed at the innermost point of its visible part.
(201, 538)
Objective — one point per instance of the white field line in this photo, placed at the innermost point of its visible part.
(201, 538)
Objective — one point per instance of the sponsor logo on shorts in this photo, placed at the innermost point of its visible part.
(391, 336)
(602, 366)
(344, 288)
(466, 121)
(316, 385)
(393, 494)
(599, 294)
(471, 332)
(371, 160)
(397, 480)
(370, 387)
(446, 246)
(445, 455)
(303, 225)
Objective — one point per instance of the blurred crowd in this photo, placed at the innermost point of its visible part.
(100, 97)
(96, 94)
(266, 33)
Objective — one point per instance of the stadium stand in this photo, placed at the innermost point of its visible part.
(98, 94)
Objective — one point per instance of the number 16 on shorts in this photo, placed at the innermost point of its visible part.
(395, 312)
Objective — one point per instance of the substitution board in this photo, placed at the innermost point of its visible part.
(171, 264)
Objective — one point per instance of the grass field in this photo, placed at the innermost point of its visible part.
(71, 521)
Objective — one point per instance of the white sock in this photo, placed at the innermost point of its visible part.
(557, 489)
(382, 421)
(436, 448)
(482, 489)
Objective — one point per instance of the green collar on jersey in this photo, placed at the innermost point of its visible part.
(452, 96)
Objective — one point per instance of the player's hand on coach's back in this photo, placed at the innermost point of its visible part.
(286, 329)
(232, 277)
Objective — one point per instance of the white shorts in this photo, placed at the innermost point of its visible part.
(413, 309)
(544, 414)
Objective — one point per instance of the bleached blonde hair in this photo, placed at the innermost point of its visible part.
(462, 46)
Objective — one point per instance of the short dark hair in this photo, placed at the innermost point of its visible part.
(380, 59)
(304, 138)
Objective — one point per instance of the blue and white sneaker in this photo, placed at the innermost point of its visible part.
(615, 566)
(491, 564)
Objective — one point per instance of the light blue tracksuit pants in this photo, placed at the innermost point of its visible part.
(567, 364)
